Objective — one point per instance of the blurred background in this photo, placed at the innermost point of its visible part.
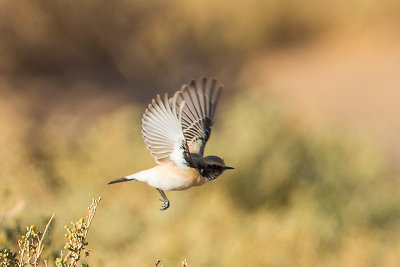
(310, 104)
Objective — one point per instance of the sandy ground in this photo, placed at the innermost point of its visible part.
(350, 78)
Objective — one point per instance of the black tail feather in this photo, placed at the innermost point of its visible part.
(120, 180)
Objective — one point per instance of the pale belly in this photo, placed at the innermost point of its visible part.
(171, 177)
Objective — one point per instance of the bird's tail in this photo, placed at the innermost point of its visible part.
(120, 180)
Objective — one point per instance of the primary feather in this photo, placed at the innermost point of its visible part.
(198, 113)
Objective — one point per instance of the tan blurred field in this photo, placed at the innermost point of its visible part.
(308, 119)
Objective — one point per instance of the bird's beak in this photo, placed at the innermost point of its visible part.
(228, 168)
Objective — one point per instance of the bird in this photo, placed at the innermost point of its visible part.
(175, 131)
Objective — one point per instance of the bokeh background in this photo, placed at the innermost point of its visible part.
(308, 117)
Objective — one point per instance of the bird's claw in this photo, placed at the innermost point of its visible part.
(164, 204)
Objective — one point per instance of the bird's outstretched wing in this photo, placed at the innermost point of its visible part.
(162, 130)
(200, 100)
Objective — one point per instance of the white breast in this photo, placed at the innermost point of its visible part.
(170, 177)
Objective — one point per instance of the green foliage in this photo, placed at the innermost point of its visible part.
(30, 246)
(76, 235)
(8, 258)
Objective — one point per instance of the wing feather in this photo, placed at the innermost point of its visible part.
(173, 128)
(162, 130)
(200, 100)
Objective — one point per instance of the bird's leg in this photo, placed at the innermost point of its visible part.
(164, 200)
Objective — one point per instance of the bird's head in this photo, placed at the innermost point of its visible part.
(211, 167)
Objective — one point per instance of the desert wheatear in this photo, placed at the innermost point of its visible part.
(176, 131)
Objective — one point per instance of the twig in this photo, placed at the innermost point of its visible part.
(40, 244)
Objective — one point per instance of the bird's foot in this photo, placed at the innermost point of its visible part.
(164, 204)
(164, 201)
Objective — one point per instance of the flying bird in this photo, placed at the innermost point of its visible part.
(176, 131)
